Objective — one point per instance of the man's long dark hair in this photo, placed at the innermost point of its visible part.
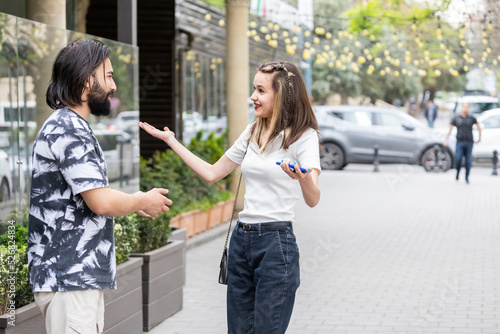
(73, 66)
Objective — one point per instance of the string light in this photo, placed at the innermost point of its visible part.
(448, 51)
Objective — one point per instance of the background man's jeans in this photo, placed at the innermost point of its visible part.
(263, 275)
(463, 149)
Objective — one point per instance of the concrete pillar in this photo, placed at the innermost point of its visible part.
(51, 12)
(82, 7)
(237, 74)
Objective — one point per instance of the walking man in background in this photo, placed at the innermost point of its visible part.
(465, 139)
(431, 113)
(71, 246)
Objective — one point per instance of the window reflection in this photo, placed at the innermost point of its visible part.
(203, 95)
(27, 52)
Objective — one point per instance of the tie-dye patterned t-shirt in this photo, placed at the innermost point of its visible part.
(69, 246)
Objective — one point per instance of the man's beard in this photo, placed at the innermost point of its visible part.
(98, 101)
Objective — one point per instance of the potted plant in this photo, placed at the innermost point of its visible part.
(163, 267)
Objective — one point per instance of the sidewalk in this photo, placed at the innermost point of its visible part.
(400, 251)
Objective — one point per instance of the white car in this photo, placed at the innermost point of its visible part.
(489, 121)
(478, 104)
(120, 163)
(5, 177)
(127, 121)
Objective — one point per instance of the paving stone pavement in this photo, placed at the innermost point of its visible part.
(399, 251)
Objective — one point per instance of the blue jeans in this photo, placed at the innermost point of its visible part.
(263, 275)
(463, 149)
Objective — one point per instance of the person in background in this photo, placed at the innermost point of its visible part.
(71, 246)
(263, 257)
(431, 113)
(465, 139)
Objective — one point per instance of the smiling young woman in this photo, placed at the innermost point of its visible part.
(261, 292)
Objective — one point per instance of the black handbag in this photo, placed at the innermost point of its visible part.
(223, 268)
(223, 261)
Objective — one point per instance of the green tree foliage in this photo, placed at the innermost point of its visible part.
(383, 51)
(219, 4)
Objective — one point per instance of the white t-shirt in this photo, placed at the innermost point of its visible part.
(270, 193)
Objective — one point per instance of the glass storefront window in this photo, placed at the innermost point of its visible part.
(203, 97)
(27, 52)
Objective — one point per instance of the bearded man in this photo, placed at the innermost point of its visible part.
(71, 246)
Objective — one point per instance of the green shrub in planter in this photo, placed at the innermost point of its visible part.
(150, 233)
(187, 190)
(126, 237)
(15, 287)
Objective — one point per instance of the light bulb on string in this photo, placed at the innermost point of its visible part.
(414, 25)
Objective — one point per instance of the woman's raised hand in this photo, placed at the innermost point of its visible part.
(163, 135)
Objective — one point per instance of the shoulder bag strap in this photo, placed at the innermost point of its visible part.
(235, 200)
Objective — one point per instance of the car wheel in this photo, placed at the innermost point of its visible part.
(429, 160)
(332, 157)
(4, 190)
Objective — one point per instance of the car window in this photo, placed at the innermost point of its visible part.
(107, 142)
(478, 107)
(363, 118)
(386, 119)
(337, 114)
(350, 116)
(492, 122)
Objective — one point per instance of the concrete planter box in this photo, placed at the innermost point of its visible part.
(200, 221)
(186, 220)
(123, 306)
(215, 215)
(228, 210)
(163, 278)
(28, 319)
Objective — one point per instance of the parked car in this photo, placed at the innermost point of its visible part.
(350, 134)
(489, 121)
(110, 141)
(127, 121)
(478, 104)
(5, 177)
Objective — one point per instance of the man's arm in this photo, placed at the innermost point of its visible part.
(114, 203)
(447, 135)
(479, 132)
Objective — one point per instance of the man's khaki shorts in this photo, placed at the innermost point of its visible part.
(72, 311)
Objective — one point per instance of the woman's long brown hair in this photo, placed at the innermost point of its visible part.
(292, 111)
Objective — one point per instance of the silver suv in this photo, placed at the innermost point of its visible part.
(352, 134)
